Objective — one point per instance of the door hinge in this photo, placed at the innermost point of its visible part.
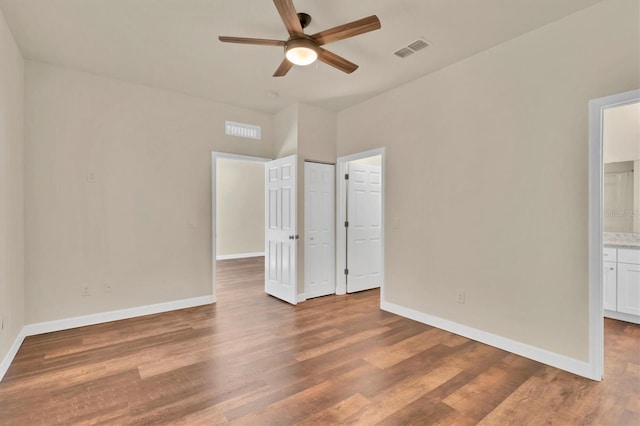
(346, 272)
(346, 176)
(346, 224)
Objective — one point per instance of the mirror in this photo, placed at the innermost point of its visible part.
(618, 197)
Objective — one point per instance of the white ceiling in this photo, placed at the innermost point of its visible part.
(172, 44)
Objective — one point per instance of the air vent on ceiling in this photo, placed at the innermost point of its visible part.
(242, 130)
(404, 52)
(411, 48)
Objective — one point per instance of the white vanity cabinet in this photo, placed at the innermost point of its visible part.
(621, 283)
(629, 281)
(609, 281)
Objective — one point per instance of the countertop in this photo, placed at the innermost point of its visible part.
(621, 240)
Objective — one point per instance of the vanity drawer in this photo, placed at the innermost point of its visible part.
(629, 256)
(609, 254)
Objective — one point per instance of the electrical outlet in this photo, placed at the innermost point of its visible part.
(460, 296)
(395, 223)
(84, 290)
(107, 288)
(91, 177)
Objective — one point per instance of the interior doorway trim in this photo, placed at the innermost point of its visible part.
(596, 321)
(214, 157)
(341, 234)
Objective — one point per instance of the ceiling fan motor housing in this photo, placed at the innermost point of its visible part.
(305, 19)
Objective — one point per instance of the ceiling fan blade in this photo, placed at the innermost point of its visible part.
(283, 69)
(289, 16)
(336, 61)
(245, 40)
(351, 29)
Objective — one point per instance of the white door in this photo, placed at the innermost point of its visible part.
(280, 226)
(609, 278)
(629, 288)
(319, 225)
(364, 230)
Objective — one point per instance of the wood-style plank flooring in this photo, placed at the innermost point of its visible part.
(254, 360)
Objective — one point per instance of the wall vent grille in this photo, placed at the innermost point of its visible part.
(242, 130)
(411, 48)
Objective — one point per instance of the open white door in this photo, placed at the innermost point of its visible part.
(319, 225)
(280, 229)
(364, 233)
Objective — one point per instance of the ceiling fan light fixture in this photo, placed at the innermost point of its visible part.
(301, 51)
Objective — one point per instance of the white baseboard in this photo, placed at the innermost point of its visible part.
(67, 323)
(301, 298)
(239, 256)
(621, 316)
(13, 350)
(544, 356)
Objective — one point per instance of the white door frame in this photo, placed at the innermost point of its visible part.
(341, 234)
(214, 157)
(596, 320)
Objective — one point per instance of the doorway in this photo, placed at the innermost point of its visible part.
(597, 110)
(237, 203)
(360, 215)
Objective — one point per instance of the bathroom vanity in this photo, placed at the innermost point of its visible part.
(621, 276)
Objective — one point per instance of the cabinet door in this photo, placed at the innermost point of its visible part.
(609, 278)
(629, 288)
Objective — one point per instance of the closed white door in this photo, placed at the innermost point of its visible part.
(319, 225)
(364, 230)
(629, 288)
(280, 225)
(609, 278)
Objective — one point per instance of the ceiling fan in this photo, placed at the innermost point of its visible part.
(302, 49)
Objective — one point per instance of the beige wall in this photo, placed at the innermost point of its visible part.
(285, 132)
(621, 133)
(239, 207)
(487, 173)
(11, 189)
(376, 160)
(144, 225)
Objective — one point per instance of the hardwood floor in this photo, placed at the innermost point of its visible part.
(254, 360)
